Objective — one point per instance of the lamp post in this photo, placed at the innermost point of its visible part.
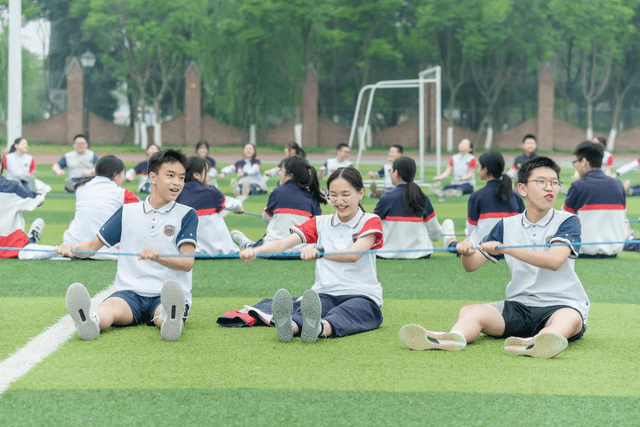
(87, 60)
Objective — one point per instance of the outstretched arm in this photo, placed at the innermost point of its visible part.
(92, 245)
(275, 246)
(551, 259)
(174, 263)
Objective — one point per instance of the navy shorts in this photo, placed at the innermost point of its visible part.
(525, 321)
(143, 308)
(465, 188)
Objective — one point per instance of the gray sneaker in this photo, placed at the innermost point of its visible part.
(282, 309)
(311, 310)
(79, 308)
(240, 239)
(37, 227)
(173, 305)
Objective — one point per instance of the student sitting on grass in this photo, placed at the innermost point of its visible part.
(487, 206)
(463, 167)
(346, 297)
(140, 170)
(80, 162)
(408, 218)
(21, 167)
(150, 289)
(340, 161)
(395, 151)
(97, 198)
(291, 149)
(248, 173)
(202, 151)
(15, 199)
(209, 202)
(295, 200)
(545, 305)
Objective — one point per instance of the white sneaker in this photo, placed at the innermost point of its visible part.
(37, 227)
(418, 338)
(448, 229)
(240, 239)
(79, 308)
(282, 309)
(545, 346)
(234, 186)
(311, 310)
(173, 305)
(452, 192)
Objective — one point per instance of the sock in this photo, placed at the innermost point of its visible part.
(458, 332)
(320, 328)
(95, 317)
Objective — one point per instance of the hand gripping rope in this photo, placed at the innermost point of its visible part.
(295, 255)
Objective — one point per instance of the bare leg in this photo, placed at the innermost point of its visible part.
(566, 322)
(114, 311)
(476, 318)
(157, 317)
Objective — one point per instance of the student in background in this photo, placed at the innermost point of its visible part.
(395, 151)
(140, 170)
(202, 151)
(340, 161)
(463, 168)
(291, 149)
(80, 162)
(529, 146)
(248, 172)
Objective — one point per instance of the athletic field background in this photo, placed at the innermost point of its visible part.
(222, 376)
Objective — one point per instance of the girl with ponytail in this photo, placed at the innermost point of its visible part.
(488, 205)
(295, 200)
(408, 218)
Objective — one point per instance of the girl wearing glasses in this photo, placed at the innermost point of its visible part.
(294, 201)
(408, 218)
(487, 206)
(346, 296)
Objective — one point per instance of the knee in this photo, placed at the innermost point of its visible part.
(469, 311)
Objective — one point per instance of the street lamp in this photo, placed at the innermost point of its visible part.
(87, 60)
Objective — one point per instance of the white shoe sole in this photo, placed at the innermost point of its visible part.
(545, 346)
(282, 309)
(418, 338)
(311, 310)
(173, 305)
(79, 308)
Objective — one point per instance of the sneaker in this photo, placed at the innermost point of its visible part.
(234, 186)
(246, 189)
(448, 229)
(452, 192)
(37, 226)
(435, 189)
(545, 345)
(418, 338)
(240, 239)
(69, 185)
(173, 305)
(282, 309)
(311, 310)
(79, 308)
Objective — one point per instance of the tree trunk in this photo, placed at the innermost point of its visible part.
(589, 119)
(157, 123)
(452, 103)
(615, 120)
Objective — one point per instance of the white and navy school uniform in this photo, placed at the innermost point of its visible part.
(518, 162)
(140, 170)
(350, 293)
(333, 164)
(461, 165)
(600, 203)
(535, 286)
(209, 202)
(252, 177)
(287, 206)
(77, 163)
(15, 199)
(17, 167)
(136, 226)
(385, 172)
(403, 229)
(484, 210)
(607, 160)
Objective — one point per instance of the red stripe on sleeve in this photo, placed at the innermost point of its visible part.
(309, 230)
(267, 212)
(129, 197)
(602, 207)
(373, 226)
(472, 222)
(495, 215)
(292, 212)
(472, 164)
(32, 167)
(205, 212)
(451, 162)
(404, 218)
(568, 209)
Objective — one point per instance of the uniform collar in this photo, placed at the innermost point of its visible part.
(594, 172)
(544, 221)
(166, 208)
(352, 223)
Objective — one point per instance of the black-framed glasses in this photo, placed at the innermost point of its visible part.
(573, 162)
(542, 183)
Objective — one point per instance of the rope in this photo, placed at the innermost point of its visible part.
(297, 254)
(60, 195)
(252, 214)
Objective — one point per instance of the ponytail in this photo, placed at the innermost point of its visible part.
(305, 176)
(503, 192)
(493, 162)
(413, 195)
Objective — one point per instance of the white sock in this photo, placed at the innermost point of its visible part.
(458, 332)
(95, 317)
(319, 328)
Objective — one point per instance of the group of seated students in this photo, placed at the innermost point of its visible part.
(182, 215)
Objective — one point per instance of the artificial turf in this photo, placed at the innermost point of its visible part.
(215, 375)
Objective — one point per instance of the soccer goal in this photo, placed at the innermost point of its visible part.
(430, 75)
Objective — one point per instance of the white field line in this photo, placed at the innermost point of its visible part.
(39, 348)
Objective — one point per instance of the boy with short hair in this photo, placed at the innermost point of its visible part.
(545, 305)
(151, 289)
(599, 201)
(340, 161)
(529, 146)
(81, 163)
(395, 151)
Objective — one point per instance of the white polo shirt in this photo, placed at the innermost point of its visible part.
(344, 278)
(17, 167)
(96, 201)
(136, 226)
(333, 164)
(461, 166)
(77, 163)
(535, 286)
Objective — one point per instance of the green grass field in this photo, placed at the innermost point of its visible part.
(221, 376)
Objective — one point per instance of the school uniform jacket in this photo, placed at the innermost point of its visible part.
(403, 229)
(287, 206)
(600, 203)
(484, 210)
(209, 202)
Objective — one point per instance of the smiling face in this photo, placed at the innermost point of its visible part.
(80, 145)
(167, 184)
(344, 198)
(540, 199)
(249, 151)
(465, 146)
